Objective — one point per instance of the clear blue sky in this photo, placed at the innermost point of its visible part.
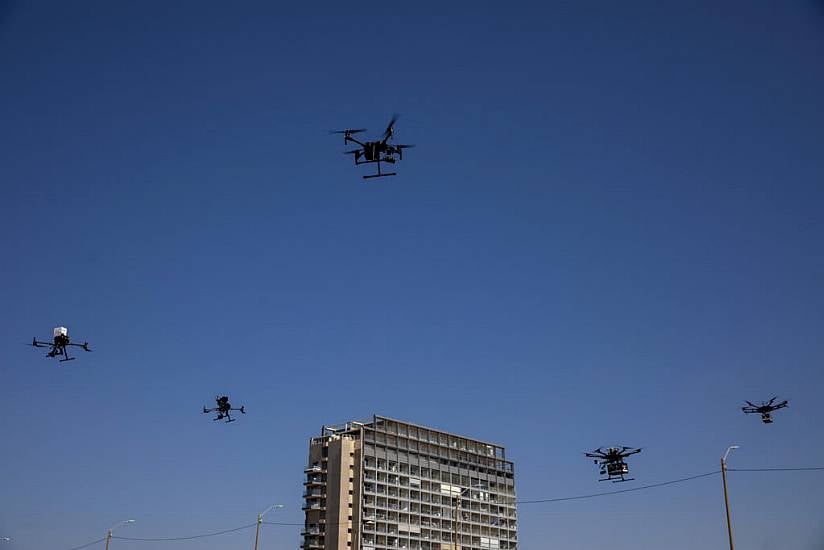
(610, 232)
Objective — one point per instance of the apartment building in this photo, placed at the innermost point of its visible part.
(385, 483)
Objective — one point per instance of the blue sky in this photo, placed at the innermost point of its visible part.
(610, 232)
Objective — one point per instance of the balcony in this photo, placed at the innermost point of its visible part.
(313, 469)
(312, 506)
(313, 494)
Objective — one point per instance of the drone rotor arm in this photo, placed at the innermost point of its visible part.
(84, 345)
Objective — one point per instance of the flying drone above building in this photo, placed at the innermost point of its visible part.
(611, 462)
(223, 409)
(375, 152)
(765, 409)
(59, 344)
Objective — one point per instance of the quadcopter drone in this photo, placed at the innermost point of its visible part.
(611, 462)
(59, 344)
(223, 408)
(375, 151)
(764, 409)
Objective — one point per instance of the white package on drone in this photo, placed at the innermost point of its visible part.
(61, 331)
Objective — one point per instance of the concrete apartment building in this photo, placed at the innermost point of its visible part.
(386, 483)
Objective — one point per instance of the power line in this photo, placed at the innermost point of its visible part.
(631, 489)
(536, 501)
(811, 469)
(203, 536)
(87, 544)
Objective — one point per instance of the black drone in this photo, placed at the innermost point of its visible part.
(611, 462)
(59, 344)
(223, 408)
(375, 151)
(765, 409)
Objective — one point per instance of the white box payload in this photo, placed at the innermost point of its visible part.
(61, 331)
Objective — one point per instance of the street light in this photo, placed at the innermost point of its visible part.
(726, 497)
(113, 527)
(456, 526)
(260, 521)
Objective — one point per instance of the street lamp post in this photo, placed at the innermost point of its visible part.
(456, 526)
(726, 496)
(113, 527)
(260, 521)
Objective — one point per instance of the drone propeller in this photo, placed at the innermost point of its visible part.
(350, 132)
(400, 149)
(85, 346)
(390, 127)
(242, 409)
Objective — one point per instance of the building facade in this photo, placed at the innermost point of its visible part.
(384, 484)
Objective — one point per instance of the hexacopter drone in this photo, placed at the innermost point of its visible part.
(611, 462)
(223, 409)
(59, 344)
(375, 151)
(765, 409)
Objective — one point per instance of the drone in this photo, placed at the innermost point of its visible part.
(375, 151)
(611, 462)
(59, 344)
(764, 409)
(223, 408)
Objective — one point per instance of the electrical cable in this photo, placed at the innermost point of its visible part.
(203, 536)
(631, 489)
(536, 501)
(87, 544)
(811, 469)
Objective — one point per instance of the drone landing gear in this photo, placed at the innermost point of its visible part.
(617, 480)
(68, 359)
(379, 174)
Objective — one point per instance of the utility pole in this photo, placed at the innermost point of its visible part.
(456, 526)
(726, 495)
(112, 528)
(260, 521)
